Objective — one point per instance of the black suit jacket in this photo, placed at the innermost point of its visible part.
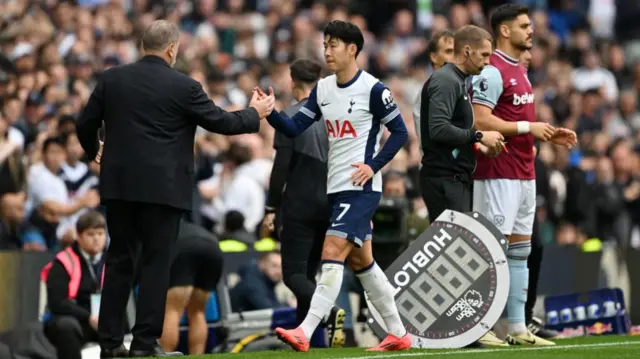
(151, 112)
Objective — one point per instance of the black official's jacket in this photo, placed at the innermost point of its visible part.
(447, 124)
(58, 279)
(151, 113)
(298, 185)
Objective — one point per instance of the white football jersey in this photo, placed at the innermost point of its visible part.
(354, 114)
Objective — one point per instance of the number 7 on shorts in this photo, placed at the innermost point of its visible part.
(345, 208)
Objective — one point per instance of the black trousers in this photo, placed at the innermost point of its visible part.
(142, 241)
(534, 262)
(301, 249)
(441, 193)
(68, 335)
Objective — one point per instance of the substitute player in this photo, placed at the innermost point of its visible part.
(354, 105)
(504, 187)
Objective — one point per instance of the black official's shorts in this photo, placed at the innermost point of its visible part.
(442, 193)
(198, 263)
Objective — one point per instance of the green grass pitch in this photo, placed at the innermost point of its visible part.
(594, 347)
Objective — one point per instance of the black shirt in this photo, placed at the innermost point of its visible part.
(298, 184)
(150, 113)
(58, 289)
(448, 134)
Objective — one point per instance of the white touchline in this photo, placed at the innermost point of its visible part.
(505, 350)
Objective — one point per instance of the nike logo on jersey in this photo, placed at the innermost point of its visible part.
(337, 224)
(325, 103)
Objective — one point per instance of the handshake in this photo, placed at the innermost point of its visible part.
(262, 102)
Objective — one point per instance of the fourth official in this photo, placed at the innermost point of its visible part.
(447, 133)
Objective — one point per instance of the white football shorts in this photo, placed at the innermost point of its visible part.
(509, 203)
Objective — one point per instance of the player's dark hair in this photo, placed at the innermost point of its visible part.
(432, 48)
(469, 35)
(305, 71)
(53, 141)
(505, 13)
(90, 220)
(346, 32)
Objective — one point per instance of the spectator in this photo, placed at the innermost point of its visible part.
(231, 189)
(616, 65)
(11, 113)
(621, 155)
(256, 287)
(626, 121)
(592, 75)
(67, 125)
(77, 177)
(579, 210)
(32, 115)
(591, 120)
(15, 232)
(259, 167)
(12, 171)
(48, 196)
(609, 202)
(627, 28)
(234, 229)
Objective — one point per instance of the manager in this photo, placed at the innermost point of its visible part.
(448, 137)
(150, 113)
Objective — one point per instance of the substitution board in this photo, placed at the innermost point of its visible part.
(451, 284)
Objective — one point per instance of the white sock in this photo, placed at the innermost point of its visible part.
(517, 328)
(324, 297)
(376, 284)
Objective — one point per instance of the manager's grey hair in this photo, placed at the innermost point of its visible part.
(159, 35)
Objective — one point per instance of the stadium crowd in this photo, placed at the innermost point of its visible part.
(585, 69)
